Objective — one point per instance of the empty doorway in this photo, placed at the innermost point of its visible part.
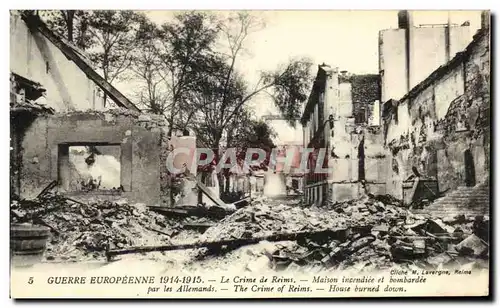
(470, 172)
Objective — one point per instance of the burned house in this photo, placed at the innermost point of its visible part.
(403, 63)
(341, 117)
(432, 139)
(441, 129)
(92, 183)
(63, 133)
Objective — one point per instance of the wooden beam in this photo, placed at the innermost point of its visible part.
(35, 24)
(196, 211)
(337, 233)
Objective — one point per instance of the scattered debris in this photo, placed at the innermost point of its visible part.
(377, 232)
(472, 245)
(380, 235)
(234, 243)
(201, 211)
(83, 230)
(261, 219)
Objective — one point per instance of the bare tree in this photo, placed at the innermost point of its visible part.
(171, 60)
(218, 102)
(287, 86)
(146, 68)
(72, 24)
(187, 50)
(114, 34)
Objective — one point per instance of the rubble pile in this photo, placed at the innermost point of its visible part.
(380, 234)
(82, 231)
(262, 219)
(394, 237)
(367, 234)
(371, 210)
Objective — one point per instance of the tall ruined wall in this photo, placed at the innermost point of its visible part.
(442, 118)
(392, 63)
(466, 126)
(36, 58)
(423, 61)
(356, 153)
(375, 160)
(139, 138)
(395, 51)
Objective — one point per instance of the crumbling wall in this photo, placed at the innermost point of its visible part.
(398, 124)
(35, 166)
(357, 154)
(359, 166)
(419, 136)
(451, 87)
(146, 152)
(466, 126)
(139, 138)
(375, 160)
(36, 58)
(342, 179)
(392, 63)
(422, 117)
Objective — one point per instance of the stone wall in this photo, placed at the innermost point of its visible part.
(440, 120)
(375, 160)
(139, 138)
(36, 58)
(395, 50)
(466, 126)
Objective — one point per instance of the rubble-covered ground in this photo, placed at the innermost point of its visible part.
(82, 231)
(379, 234)
(382, 235)
(262, 218)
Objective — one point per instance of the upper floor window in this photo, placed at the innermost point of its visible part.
(361, 116)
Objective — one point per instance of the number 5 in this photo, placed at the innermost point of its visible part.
(30, 280)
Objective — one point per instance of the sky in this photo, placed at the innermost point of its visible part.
(344, 39)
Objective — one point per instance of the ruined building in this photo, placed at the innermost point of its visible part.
(408, 54)
(339, 117)
(63, 136)
(441, 127)
(423, 133)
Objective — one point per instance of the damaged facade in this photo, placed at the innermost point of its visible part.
(62, 132)
(66, 86)
(403, 63)
(339, 117)
(428, 122)
(93, 154)
(441, 127)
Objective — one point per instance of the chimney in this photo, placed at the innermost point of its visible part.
(485, 20)
(448, 38)
(404, 19)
